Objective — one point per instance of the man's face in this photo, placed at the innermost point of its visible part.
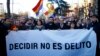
(93, 19)
(17, 23)
(50, 20)
(72, 25)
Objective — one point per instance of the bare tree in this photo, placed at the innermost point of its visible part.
(8, 9)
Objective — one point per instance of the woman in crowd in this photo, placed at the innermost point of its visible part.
(39, 25)
(30, 24)
(72, 25)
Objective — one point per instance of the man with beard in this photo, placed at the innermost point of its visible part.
(50, 24)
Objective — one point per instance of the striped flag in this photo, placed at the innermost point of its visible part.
(38, 7)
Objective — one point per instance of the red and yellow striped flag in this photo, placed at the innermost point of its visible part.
(38, 7)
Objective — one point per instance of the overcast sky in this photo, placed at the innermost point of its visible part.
(27, 5)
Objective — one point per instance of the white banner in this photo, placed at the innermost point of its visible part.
(51, 43)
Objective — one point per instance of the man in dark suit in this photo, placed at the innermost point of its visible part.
(3, 33)
(96, 28)
(50, 24)
(62, 24)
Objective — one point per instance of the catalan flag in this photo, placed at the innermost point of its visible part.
(38, 7)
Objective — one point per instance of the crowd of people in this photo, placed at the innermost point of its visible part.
(50, 23)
